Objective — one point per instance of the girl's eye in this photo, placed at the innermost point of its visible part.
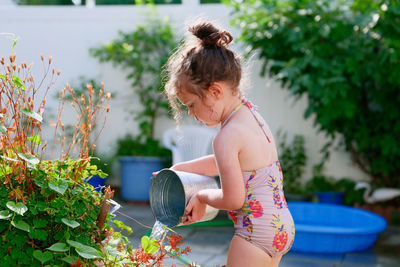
(191, 105)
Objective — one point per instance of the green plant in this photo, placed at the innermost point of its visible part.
(48, 214)
(322, 183)
(293, 158)
(351, 196)
(143, 53)
(128, 144)
(345, 57)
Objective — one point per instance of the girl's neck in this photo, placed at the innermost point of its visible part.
(230, 107)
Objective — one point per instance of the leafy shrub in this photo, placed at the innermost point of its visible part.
(345, 56)
(48, 214)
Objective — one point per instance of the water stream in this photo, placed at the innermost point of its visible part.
(159, 231)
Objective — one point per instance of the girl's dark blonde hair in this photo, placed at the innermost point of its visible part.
(200, 62)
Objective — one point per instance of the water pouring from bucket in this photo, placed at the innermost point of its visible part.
(170, 192)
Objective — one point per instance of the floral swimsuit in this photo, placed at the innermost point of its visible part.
(265, 220)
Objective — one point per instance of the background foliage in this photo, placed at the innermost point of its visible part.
(293, 158)
(143, 53)
(345, 57)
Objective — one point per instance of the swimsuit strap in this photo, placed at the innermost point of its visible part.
(230, 114)
(260, 121)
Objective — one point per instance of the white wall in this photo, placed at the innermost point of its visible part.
(66, 33)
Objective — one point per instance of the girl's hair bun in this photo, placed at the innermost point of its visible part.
(210, 36)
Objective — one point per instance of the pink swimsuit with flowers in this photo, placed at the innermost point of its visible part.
(265, 220)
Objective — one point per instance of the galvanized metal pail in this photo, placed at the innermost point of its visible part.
(170, 192)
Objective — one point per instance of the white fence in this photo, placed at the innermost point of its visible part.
(66, 33)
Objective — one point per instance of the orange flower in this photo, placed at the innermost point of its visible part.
(174, 240)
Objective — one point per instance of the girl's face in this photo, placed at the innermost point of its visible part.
(200, 108)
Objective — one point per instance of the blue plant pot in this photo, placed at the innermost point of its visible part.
(330, 197)
(135, 176)
(97, 182)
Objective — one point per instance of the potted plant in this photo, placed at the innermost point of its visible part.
(137, 170)
(293, 158)
(143, 53)
(48, 214)
(327, 189)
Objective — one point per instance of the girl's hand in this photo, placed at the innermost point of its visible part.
(195, 210)
(172, 168)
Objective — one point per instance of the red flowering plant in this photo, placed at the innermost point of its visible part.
(48, 213)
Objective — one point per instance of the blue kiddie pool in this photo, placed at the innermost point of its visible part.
(330, 228)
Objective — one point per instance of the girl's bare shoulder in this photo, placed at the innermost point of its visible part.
(232, 134)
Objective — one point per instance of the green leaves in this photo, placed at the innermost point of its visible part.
(21, 225)
(150, 246)
(70, 259)
(35, 139)
(42, 257)
(4, 215)
(39, 223)
(121, 225)
(29, 158)
(17, 81)
(6, 170)
(38, 234)
(344, 57)
(70, 223)
(19, 207)
(32, 114)
(293, 159)
(84, 251)
(58, 185)
(58, 247)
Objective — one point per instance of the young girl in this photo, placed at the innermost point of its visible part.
(204, 75)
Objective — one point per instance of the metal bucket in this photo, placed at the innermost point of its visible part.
(170, 192)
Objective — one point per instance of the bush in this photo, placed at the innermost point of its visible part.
(48, 214)
(343, 55)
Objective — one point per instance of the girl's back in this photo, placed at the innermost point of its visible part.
(257, 146)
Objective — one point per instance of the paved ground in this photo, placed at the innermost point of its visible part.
(210, 244)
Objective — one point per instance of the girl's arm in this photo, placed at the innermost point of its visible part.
(231, 196)
(204, 166)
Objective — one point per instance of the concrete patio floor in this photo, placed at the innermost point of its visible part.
(210, 244)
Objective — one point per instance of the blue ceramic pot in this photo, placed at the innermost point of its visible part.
(135, 176)
(97, 182)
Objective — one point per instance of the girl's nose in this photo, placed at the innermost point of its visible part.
(190, 112)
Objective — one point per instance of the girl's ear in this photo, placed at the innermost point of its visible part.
(216, 90)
